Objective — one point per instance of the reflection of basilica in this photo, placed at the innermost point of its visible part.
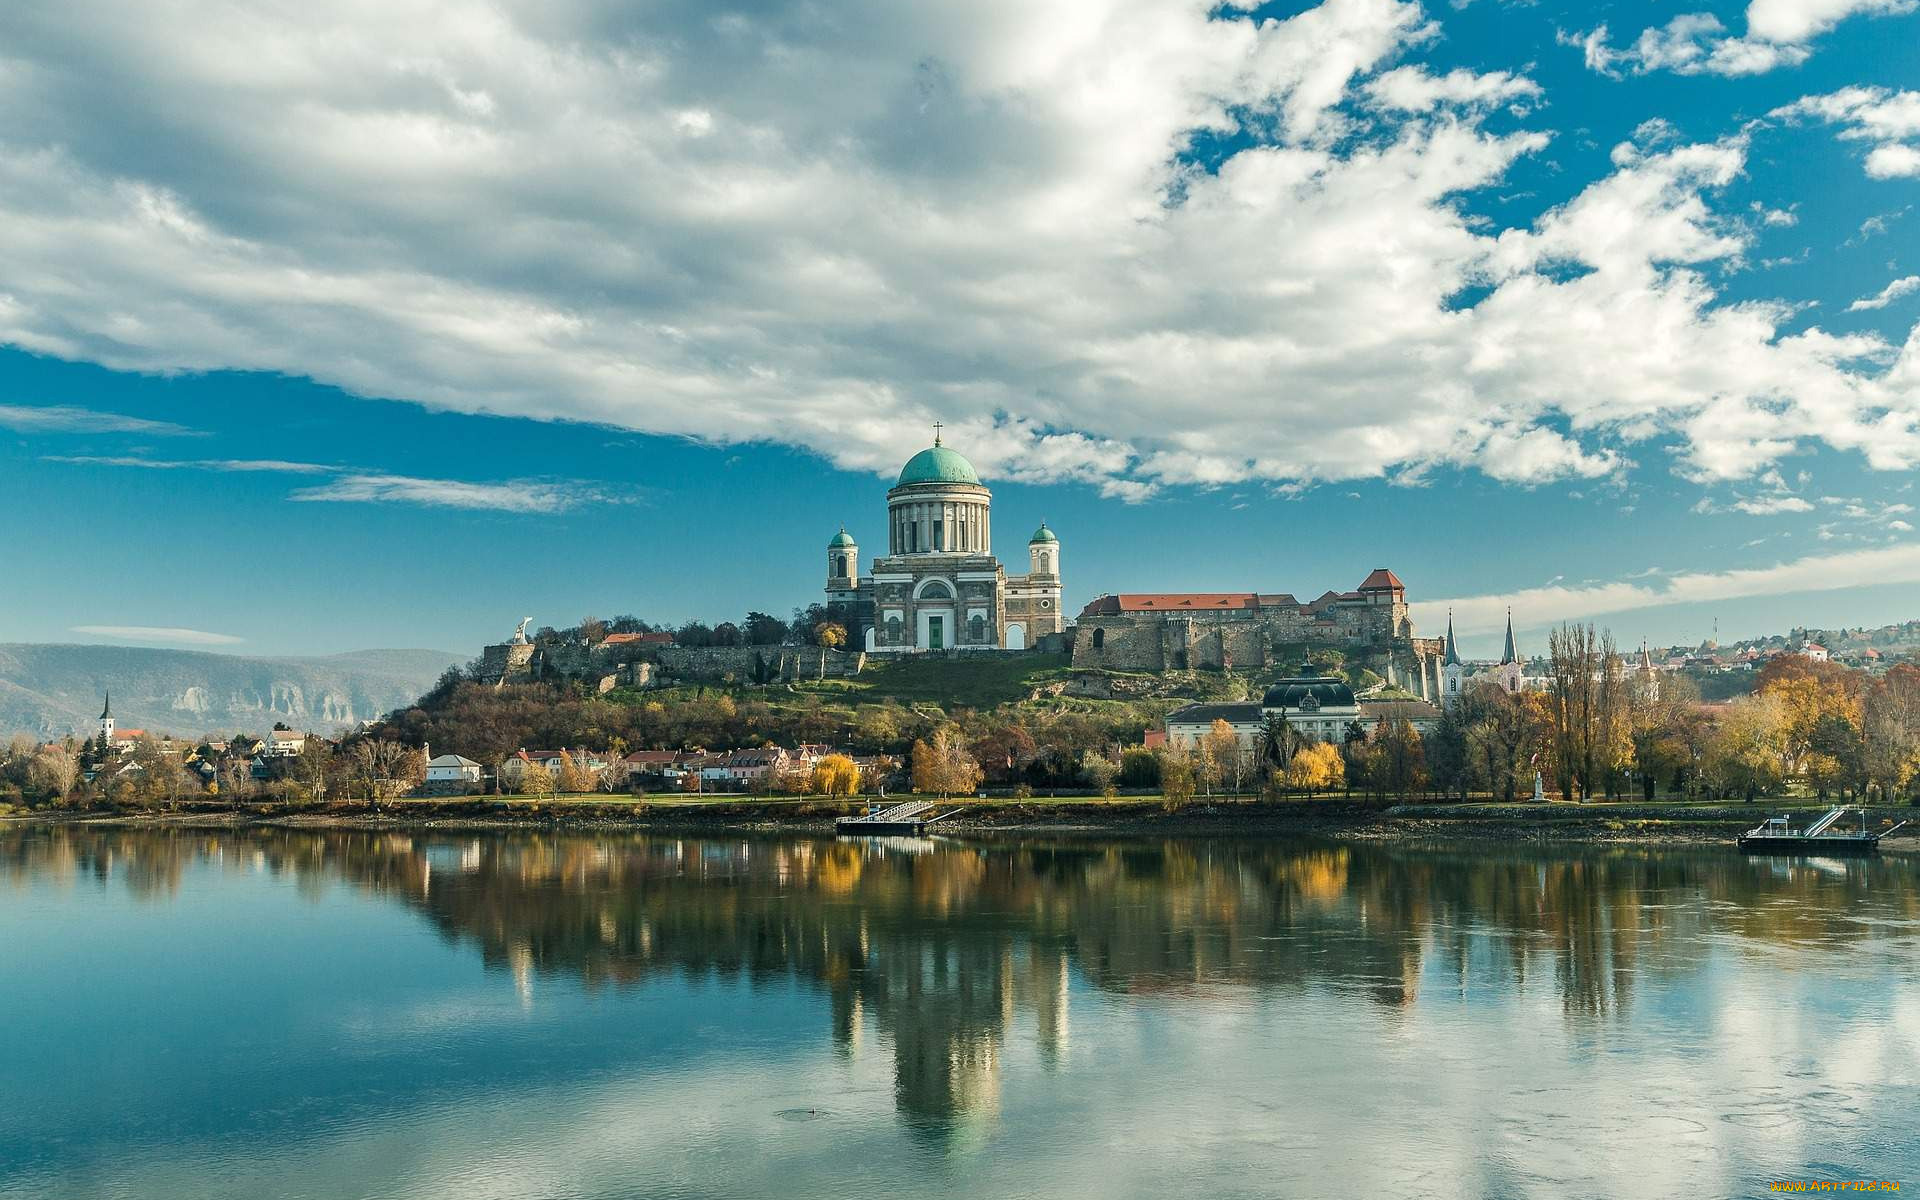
(949, 957)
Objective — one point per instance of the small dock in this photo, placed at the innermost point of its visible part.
(1776, 835)
(908, 818)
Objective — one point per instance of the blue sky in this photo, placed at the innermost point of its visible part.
(390, 325)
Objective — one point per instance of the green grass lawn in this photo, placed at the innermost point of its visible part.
(981, 681)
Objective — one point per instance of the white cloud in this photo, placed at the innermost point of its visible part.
(517, 497)
(1763, 506)
(1887, 295)
(829, 231)
(1778, 33)
(1549, 605)
(1412, 89)
(240, 465)
(60, 418)
(350, 486)
(1889, 119)
(156, 633)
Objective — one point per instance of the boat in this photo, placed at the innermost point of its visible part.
(1776, 835)
(909, 819)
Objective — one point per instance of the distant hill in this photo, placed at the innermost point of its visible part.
(50, 690)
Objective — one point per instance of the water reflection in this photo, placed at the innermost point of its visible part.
(936, 952)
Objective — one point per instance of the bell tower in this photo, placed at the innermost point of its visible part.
(1453, 672)
(843, 562)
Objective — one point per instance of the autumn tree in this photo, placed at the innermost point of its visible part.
(52, 769)
(573, 775)
(1219, 755)
(536, 780)
(384, 769)
(1316, 768)
(836, 775)
(1003, 751)
(828, 635)
(1399, 762)
(1748, 751)
(1176, 776)
(942, 765)
(1890, 721)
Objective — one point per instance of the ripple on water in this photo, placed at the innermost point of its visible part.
(804, 1114)
(1758, 1120)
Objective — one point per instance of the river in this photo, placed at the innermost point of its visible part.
(188, 1013)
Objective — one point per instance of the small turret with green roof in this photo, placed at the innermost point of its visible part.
(1042, 536)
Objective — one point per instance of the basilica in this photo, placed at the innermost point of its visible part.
(939, 586)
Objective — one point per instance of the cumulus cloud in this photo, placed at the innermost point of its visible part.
(157, 633)
(1561, 602)
(61, 418)
(1887, 295)
(1888, 119)
(828, 227)
(1778, 35)
(1412, 89)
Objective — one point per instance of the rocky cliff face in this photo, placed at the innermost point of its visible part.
(51, 690)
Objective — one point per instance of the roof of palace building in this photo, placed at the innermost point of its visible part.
(1380, 579)
(1399, 710)
(1309, 690)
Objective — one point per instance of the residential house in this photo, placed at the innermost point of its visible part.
(451, 774)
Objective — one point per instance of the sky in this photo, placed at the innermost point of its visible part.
(325, 327)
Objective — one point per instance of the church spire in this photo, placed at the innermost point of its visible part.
(1511, 655)
(1453, 651)
(108, 710)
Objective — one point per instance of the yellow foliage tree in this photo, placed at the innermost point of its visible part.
(836, 775)
(536, 780)
(942, 765)
(574, 775)
(1316, 768)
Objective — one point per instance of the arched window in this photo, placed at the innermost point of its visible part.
(1099, 638)
(977, 628)
(936, 590)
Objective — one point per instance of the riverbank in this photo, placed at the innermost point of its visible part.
(1122, 816)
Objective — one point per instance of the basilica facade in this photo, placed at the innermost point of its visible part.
(939, 586)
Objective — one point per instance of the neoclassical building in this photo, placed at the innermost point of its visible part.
(939, 586)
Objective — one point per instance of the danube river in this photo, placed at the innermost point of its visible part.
(352, 1014)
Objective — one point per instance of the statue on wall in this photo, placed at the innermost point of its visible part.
(520, 634)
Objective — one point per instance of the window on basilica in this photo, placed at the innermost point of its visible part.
(977, 628)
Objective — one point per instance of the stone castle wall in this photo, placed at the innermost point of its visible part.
(1166, 642)
(653, 666)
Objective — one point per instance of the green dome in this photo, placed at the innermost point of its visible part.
(937, 464)
(1042, 534)
(843, 538)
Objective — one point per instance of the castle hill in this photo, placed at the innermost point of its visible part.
(932, 675)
